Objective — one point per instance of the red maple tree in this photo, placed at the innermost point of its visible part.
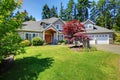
(74, 31)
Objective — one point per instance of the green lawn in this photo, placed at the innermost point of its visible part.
(61, 63)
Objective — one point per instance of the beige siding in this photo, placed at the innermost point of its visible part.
(59, 22)
(60, 37)
(41, 35)
(23, 34)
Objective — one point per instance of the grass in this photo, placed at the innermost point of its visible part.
(61, 63)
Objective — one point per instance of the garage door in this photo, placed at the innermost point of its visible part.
(100, 39)
(103, 41)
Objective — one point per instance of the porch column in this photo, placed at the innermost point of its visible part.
(43, 35)
(57, 36)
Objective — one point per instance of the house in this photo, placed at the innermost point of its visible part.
(50, 31)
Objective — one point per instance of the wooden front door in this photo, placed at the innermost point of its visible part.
(48, 38)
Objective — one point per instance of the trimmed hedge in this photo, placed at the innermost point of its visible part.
(37, 41)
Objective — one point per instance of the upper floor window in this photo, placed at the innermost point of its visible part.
(58, 27)
(89, 26)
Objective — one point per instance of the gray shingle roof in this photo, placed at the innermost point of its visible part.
(31, 26)
(50, 20)
(35, 26)
(98, 29)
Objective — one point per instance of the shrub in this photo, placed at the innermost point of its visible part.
(36, 41)
(117, 37)
(62, 41)
(10, 45)
(25, 43)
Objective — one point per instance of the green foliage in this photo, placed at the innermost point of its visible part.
(106, 13)
(9, 39)
(53, 12)
(45, 12)
(82, 8)
(25, 16)
(70, 10)
(48, 13)
(37, 41)
(62, 12)
(117, 37)
(62, 41)
(25, 43)
(9, 44)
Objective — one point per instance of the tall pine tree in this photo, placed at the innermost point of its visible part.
(70, 10)
(82, 8)
(45, 12)
(53, 12)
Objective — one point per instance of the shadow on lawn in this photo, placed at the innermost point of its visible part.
(27, 68)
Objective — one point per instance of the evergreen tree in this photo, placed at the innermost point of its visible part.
(53, 12)
(93, 11)
(45, 12)
(26, 17)
(70, 10)
(62, 14)
(82, 8)
(105, 8)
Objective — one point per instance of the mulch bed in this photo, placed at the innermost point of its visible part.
(76, 48)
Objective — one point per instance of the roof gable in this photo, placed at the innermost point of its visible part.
(51, 26)
(89, 22)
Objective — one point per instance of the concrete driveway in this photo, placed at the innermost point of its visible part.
(109, 48)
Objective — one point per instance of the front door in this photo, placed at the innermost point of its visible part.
(48, 38)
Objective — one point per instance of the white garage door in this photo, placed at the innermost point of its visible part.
(103, 41)
(100, 39)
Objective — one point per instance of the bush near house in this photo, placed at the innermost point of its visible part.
(25, 43)
(117, 37)
(62, 42)
(37, 41)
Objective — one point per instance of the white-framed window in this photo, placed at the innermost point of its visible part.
(58, 27)
(90, 26)
(29, 35)
(60, 37)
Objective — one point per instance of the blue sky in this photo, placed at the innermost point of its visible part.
(34, 7)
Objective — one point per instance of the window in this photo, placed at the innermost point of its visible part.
(29, 36)
(58, 27)
(105, 35)
(90, 26)
(96, 35)
(34, 35)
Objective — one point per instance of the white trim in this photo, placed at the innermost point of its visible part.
(31, 35)
(59, 27)
(43, 35)
(50, 26)
(57, 36)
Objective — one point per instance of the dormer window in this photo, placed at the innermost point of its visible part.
(90, 26)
